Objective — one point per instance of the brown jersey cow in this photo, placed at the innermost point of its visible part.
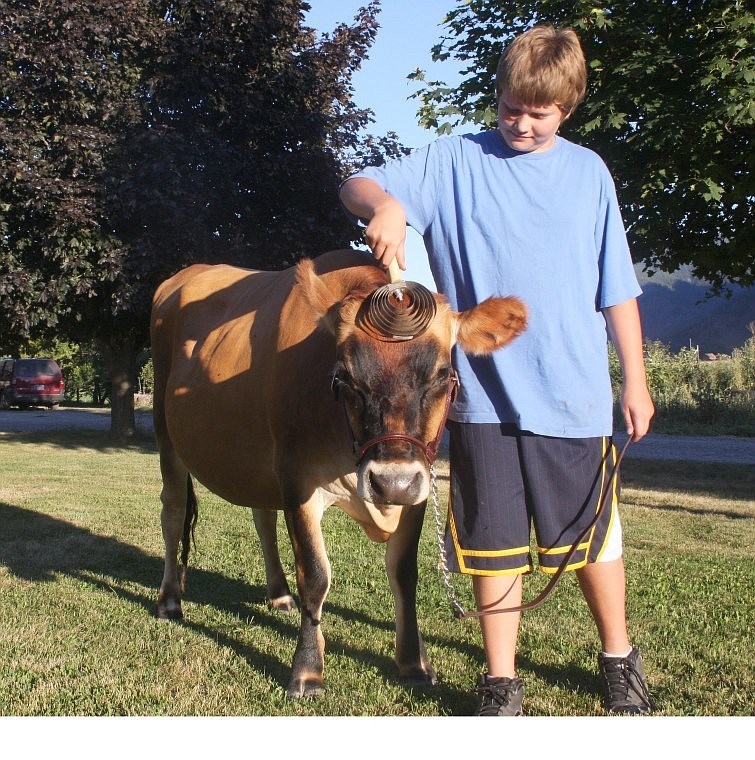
(271, 391)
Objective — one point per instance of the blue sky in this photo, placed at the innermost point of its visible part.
(408, 30)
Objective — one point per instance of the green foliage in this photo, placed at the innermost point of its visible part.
(670, 107)
(140, 136)
(694, 396)
(744, 363)
(146, 376)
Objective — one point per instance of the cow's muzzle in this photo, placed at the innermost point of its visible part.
(385, 483)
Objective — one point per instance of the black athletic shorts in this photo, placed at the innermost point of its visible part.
(504, 480)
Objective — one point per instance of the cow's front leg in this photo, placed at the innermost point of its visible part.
(414, 668)
(313, 581)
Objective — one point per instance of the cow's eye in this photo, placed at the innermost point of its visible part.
(443, 376)
(341, 380)
(344, 386)
(439, 385)
(441, 380)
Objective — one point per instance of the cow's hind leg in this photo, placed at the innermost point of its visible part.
(414, 668)
(177, 518)
(313, 581)
(278, 592)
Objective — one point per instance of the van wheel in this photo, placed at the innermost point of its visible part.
(3, 403)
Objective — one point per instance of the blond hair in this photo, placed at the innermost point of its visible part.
(544, 66)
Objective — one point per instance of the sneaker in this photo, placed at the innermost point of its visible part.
(625, 689)
(500, 696)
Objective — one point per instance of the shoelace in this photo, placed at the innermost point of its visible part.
(619, 681)
(499, 694)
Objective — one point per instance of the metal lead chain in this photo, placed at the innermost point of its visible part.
(458, 610)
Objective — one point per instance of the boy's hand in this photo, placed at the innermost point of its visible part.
(624, 327)
(386, 227)
(386, 232)
(638, 409)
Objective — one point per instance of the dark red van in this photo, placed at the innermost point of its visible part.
(30, 382)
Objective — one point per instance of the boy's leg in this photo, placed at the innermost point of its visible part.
(488, 535)
(570, 479)
(624, 684)
(604, 589)
(564, 474)
(500, 631)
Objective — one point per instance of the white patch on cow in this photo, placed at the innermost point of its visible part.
(378, 521)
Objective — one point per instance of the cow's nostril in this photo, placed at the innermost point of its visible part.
(393, 485)
(377, 486)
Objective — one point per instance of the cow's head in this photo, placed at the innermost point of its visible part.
(395, 393)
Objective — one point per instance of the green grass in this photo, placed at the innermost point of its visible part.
(80, 564)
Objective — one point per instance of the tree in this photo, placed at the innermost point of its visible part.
(670, 109)
(138, 136)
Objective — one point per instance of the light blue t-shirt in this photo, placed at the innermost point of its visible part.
(545, 227)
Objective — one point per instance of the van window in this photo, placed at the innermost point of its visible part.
(30, 368)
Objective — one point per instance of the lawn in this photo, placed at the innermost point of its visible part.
(80, 565)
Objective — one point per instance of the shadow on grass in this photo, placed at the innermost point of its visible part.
(718, 480)
(95, 440)
(38, 548)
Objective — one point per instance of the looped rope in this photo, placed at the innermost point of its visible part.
(398, 311)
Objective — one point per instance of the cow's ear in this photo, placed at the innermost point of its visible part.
(491, 325)
(321, 299)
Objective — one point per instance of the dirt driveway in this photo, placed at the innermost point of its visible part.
(688, 448)
(65, 418)
(725, 449)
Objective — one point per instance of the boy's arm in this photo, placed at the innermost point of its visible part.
(624, 328)
(386, 220)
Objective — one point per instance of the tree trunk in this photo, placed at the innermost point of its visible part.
(121, 364)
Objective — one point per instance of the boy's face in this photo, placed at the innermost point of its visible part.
(527, 128)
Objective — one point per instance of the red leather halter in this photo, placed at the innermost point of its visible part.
(429, 450)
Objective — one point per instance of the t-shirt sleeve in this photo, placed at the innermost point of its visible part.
(618, 281)
(412, 180)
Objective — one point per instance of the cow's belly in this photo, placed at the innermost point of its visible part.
(246, 486)
(228, 451)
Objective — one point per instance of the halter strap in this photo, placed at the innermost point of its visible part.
(429, 450)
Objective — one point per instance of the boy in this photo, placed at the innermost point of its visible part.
(520, 210)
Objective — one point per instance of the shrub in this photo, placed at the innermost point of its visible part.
(693, 396)
(743, 360)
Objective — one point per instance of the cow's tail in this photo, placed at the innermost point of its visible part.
(190, 522)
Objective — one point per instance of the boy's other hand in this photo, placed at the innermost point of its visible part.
(386, 232)
(638, 409)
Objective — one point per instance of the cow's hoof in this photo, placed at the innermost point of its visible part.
(284, 603)
(168, 617)
(418, 679)
(169, 611)
(300, 689)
